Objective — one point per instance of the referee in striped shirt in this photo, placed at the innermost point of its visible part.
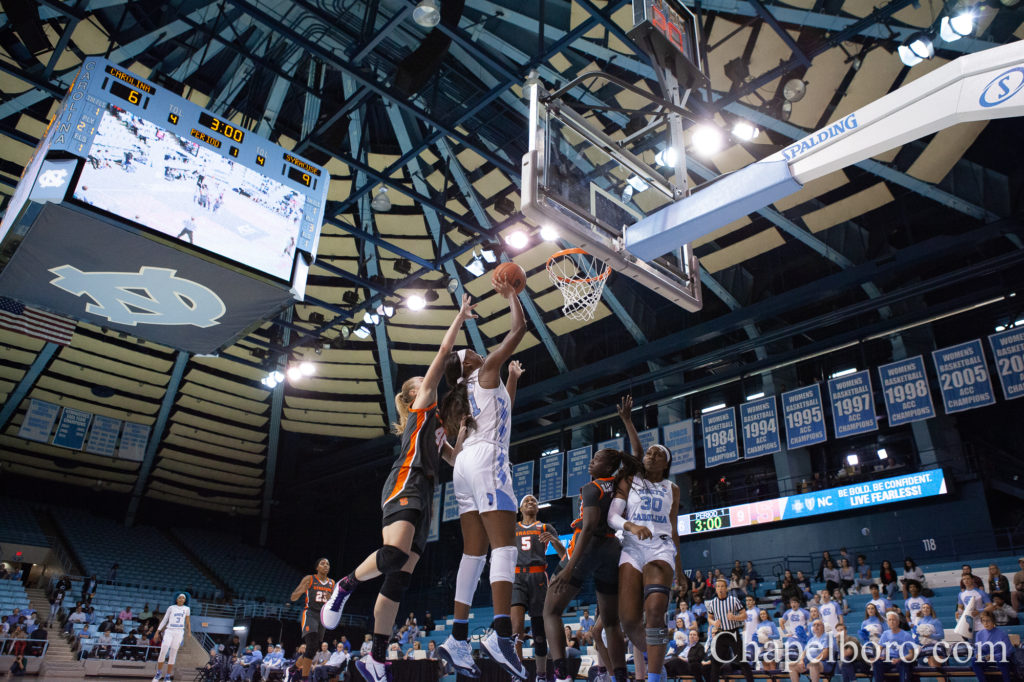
(726, 617)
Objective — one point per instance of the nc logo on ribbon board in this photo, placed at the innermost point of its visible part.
(150, 296)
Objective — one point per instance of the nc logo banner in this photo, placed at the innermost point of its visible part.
(149, 296)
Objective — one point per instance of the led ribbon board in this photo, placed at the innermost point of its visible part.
(856, 496)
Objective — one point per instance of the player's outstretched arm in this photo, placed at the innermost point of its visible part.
(427, 394)
(303, 586)
(515, 370)
(490, 373)
(625, 410)
(675, 535)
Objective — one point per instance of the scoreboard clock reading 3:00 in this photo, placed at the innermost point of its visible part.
(714, 519)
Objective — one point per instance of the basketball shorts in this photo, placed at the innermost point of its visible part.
(312, 630)
(483, 480)
(601, 560)
(529, 590)
(413, 502)
(639, 553)
(170, 644)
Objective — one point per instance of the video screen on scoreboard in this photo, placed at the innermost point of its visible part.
(148, 175)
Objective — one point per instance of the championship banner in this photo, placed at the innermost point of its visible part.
(451, 506)
(577, 470)
(760, 420)
(38, 422)
(522, 479)
(905, 389)
(963, 377)
(647, 439)
(719, 431)
(134, 438)
(71, 429)
(678, 438)
(435, 515)
(1008, 350)
(551, 475)
(612, 444)
(805, 418)
(853, 405)
(103, 436)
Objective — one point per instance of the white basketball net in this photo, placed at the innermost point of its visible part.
(581, 279)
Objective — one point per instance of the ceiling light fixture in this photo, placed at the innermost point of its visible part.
(427, 14)
(548, 233)
(712, 408)
(371, 318)
(294, 373)
(916, 49)
(431, 296)
(476, 266)
(627, 194)
(381, 201)
(362, 332)
(307, 368)
(386, 310)
(667, 157)
(517, 240)
(707, 139)
(415, 302)
(489, 251)
(954, 28)
(745, 131)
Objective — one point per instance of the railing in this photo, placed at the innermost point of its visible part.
(938, 547)
(118, 651)
(31, 648)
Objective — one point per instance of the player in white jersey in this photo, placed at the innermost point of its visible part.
(645, 507)
(479, 406)
(174, 627)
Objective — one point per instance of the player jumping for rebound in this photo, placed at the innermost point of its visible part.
(317, 589)
(406, 503)
(482, 404)
(531, 585)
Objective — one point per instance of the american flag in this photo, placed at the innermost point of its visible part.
(18, 317)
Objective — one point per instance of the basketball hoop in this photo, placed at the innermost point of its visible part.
(581, 278)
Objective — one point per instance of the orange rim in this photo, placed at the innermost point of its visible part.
(567, 252)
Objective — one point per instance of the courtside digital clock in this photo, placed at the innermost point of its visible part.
(714, 519)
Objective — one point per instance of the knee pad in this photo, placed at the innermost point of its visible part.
(395, 585)
(390, 559)
(540, 647)
(656, 589)
(657, 636)
(503, 564)
(540, 638)
(470, 569)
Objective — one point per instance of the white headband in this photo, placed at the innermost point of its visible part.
(523, 501)
(462, 360)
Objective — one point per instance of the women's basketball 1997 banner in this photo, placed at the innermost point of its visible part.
(853, 406)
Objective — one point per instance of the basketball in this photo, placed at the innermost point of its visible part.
(511, 273)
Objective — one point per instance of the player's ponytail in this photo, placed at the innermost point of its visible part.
(631, 466)
(455, 404)
(403, 401)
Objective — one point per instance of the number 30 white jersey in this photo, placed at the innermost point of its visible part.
(649, 504)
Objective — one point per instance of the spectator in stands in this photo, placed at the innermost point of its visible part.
(1017, 596)
(112, 574)
(850, 663)
(912, 573)
(830, 574)
(863, 574)
(246, 667)
(929, 633)
(991, 647)
(737, 583)
(104, 646)
(872, 627)
(146, 614)
(831, 612)
(813, 660)
(1001, 611)
(840, 600)
(274, 660)
(335, 665)
(913, 603)
(888, 578)
(77, 617)
(971, 590)
(689, 620)
(803, 582)
(128, 650)
(409, 655)
(322, 656)
(214, 668)
(895, 644)
(997, 583)
(20, 640)
(432, 650)
(90, 614)
(107, 625)
(126, 613)
(89, 588)
(586, 622)
(791, 591)
(232, 647)
(847, 575)
(345, 643)
(428, 622)
(687, 657)
(752, 577)
(795, 617)
(880, 602)
(367, 645)
(825, 558)
(18, 667)
(14, 617)
(700, 612)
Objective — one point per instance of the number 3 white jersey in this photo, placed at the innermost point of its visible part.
(174, 619)
(492, 411)
(649, 504)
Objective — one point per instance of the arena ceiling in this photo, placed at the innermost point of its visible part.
(437, 117)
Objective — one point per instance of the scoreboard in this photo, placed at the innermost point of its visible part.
(221, 220)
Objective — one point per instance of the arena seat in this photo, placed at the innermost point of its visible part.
(250, 572)
(143, 555)
(18, 524)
